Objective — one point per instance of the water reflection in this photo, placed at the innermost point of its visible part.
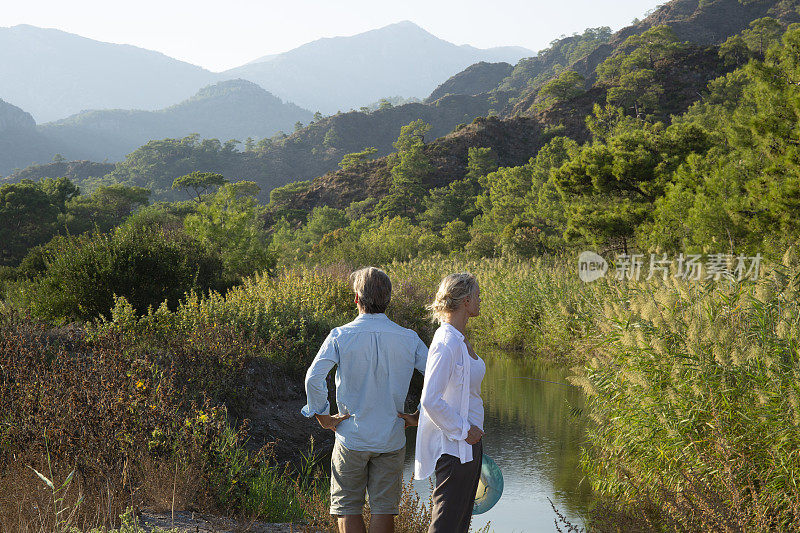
(534, 434)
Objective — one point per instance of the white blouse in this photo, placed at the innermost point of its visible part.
(444, 418)
(476, 373)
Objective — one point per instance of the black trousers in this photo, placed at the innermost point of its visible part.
(454, 494)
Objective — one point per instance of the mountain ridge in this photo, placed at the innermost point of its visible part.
(73, 73)
(231, 109)
(314, 74)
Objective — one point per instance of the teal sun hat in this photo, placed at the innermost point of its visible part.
(490, 486)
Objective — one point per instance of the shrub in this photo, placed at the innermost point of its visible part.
(146, 265)
(135, 420)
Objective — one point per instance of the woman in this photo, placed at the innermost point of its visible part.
(451, 419)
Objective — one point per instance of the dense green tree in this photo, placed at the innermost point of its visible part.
(603, 121)
(146, 265)
(630, 74)
(637, 90)
(107, 207)
(565, 86)
(60, 190)
(761, 34)
(356, 158)
(411, 166)
(612, 186)
(735, 50)
(331, 138)
(455, 235)
(522, 204)
(480, 162)
(27, 218)
(199, 182)
(230, 224)
(456, 201)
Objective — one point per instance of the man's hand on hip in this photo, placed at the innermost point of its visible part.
(331, 421)
(474, 435)
(411, 419)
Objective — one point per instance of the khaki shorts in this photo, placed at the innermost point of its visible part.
(354, 472)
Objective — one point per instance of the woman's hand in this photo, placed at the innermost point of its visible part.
(474, 435)
(411, 419)
(331, 421)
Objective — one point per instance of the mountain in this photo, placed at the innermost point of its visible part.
(20, 143)
(53, 74)
(700, 22)
(478, 78)
(234, 109)
(341, 73)
(273, 162)
(448, 157)
(76, 171)
(522, 127)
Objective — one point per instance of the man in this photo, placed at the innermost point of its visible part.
(375, 360)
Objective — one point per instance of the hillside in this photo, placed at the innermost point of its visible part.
(682, 79)
(478, 78)
(701, 23)
(447, 154)
(272, 162)
(513, 140)
(53, 74)
(234, 109)
(20, 143)
(76, 171)
(341, 73)
(317, 148)
(305, 154)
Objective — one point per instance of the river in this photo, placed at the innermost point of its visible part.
(534, 428)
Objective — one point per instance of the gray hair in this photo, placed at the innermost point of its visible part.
(373, 287)
(453, 290)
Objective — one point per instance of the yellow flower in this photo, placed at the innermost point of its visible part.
(203, 418)
(139, 384)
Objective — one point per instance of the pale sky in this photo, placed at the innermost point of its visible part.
(226, 33)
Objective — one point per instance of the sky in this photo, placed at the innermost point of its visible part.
(223, 34)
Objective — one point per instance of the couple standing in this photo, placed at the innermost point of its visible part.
(375, 360)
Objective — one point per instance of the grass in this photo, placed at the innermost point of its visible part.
(693, 388)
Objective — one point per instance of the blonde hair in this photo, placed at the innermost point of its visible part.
(373, 287)
(453, 290)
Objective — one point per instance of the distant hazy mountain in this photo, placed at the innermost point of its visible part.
(234, 109)
(341, 73)
(20, 143)
(53, 74)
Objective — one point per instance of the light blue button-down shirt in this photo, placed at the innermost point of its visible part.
(376, 359)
